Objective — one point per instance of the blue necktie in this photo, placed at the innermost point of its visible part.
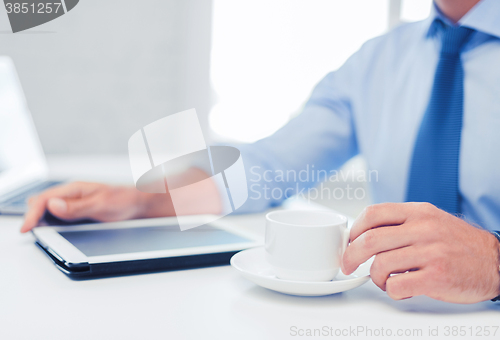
(435, 163)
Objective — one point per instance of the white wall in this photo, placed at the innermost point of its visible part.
(102, 71)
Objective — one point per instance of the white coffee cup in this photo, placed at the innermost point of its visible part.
(305, 245)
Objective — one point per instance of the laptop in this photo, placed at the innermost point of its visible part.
(23, 167)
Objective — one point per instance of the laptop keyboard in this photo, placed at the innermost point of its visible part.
(17, 204)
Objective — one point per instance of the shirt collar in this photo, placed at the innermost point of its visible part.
(483, 17)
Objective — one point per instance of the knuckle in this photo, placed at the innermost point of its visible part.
(427, 206)
(427, 209)
(441, 268)
(33, 200)
(378, 280)
(370, 211)
(378, 274)
(369, 239)
(426, 227)
(440, 263)
(380, 262)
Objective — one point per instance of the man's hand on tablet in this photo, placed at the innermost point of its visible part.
(81, 200)
(431, 252)
(101, 202)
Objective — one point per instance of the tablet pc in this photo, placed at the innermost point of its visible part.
(138, 246)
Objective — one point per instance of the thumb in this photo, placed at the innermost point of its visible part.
(71, 208)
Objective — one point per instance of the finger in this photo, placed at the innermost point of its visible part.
(393, 262)
(38, 204)
(375, 241)
(70, 190)
(379, 215)
(406, 285)
(35, 212)
(74, 208)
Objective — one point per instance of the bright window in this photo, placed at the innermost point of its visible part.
(268, 55)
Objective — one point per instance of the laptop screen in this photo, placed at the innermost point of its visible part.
(21, 156)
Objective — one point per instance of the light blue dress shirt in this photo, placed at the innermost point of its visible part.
(373, 105)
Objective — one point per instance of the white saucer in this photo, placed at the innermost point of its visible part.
(251, 263)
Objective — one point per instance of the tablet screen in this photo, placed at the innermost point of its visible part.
(133, 240)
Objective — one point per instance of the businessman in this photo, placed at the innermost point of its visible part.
(422, 105)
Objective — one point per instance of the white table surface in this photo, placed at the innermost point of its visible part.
(39, 302)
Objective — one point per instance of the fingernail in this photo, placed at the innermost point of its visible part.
(58, 205)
